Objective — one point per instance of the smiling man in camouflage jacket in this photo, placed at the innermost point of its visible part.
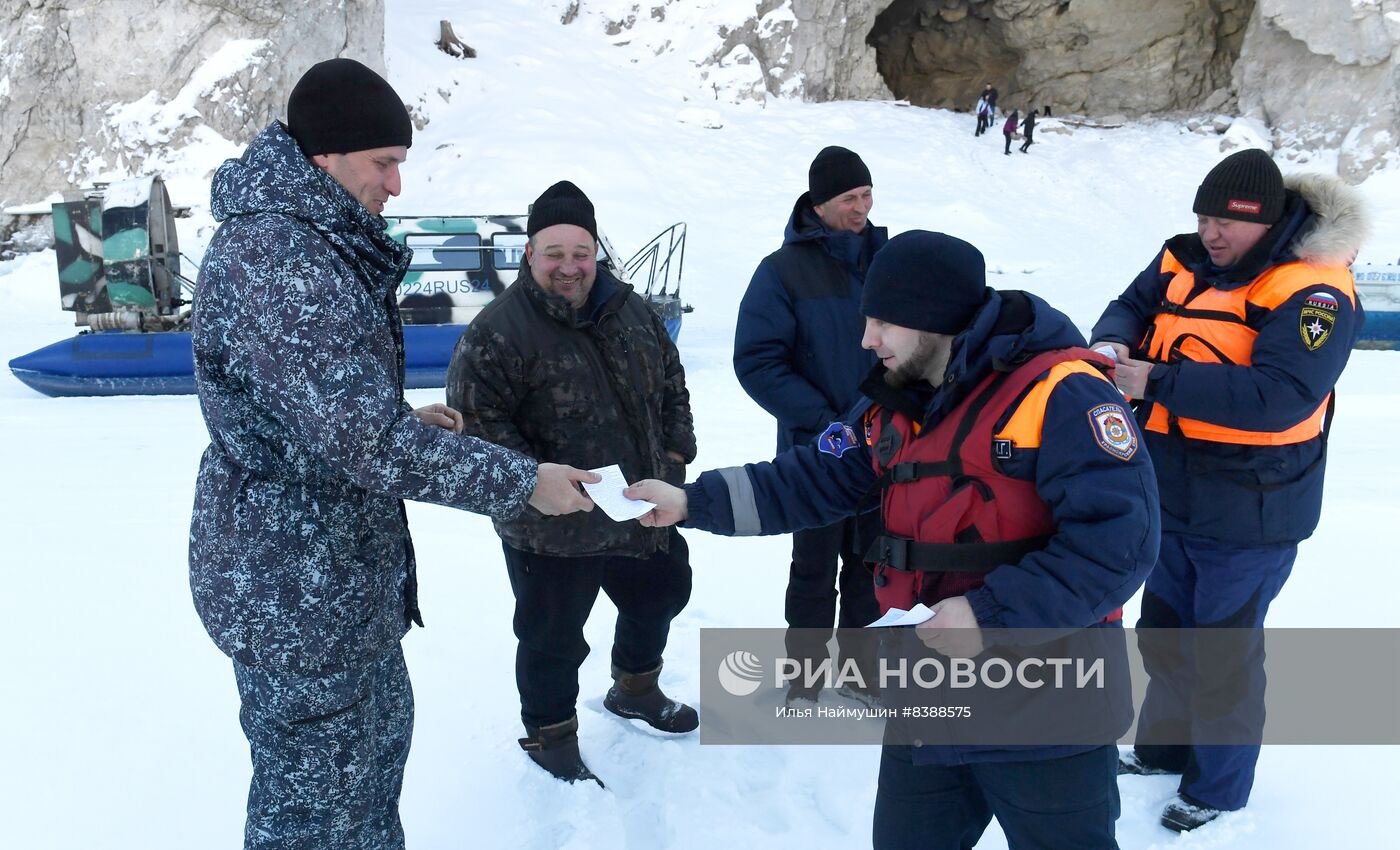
(301, 565)
(570, 365)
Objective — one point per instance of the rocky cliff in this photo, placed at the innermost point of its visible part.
(1326, 73)
(1309, 73)
(87, 87)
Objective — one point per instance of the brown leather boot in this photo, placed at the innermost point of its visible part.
(638, 696)
(555, 748)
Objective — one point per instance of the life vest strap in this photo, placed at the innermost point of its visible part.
(903, 473)
(905, 555)
(1172, 308)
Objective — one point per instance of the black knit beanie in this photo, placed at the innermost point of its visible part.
(340, 106)
(1245, 186)
(926, 281)
(562, 203)
(835, 170)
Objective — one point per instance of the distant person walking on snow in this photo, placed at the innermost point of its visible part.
(984, 116)
(1009, 129)
(990, 93)
(1027, 129)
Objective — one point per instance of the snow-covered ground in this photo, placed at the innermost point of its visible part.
(119, 726)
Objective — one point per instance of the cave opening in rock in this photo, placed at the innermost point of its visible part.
(1130, 56)
(941, 53)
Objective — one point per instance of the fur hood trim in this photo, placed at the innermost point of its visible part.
(1338, 225)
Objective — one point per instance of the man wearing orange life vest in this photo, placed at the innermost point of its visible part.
(1232, 340)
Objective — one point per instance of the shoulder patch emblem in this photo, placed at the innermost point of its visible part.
(1322, 300)
(1113, 430)
(1315, 324)
(837, 439)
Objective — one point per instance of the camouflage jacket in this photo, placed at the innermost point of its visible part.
(532, 374)
(300, 557)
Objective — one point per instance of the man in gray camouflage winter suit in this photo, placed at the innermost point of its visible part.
(301, 565)
(570, 365)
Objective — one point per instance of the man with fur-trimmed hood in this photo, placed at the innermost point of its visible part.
(1231, 342)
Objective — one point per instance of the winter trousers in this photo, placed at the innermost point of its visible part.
(982, 123)
(827, 565)
(1028, 142)
(553, 597)
(1204, 584)
(1041, 805)
(1008, 143)
(328, 755)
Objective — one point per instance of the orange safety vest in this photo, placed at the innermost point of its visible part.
(1210, 327)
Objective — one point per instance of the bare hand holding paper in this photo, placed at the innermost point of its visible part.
(607, 494)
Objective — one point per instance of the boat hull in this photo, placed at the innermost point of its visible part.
(1381, 330)
(112, 363)
(131, 363)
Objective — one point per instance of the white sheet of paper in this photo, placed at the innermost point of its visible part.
(607, 494)
(920, 613)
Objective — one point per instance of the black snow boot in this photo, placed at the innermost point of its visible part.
(1130, 765)
(637, 696)
(1185, 814)
(555, 748)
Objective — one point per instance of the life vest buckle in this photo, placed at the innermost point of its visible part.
(892, 552)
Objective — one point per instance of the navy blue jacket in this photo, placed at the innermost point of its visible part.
(300, 558)
(1104, 506)
(797, 338)
(1246, 494)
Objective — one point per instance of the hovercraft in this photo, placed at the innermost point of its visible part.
(1378, 288)
(120, 274)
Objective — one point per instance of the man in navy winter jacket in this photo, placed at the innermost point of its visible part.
(301, 566)
(1065, 443)
(797, 353)
(1232, 340)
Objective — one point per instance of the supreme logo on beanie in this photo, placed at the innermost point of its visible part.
(835, 170)
(562, 203)
(341, 106)
(925, 281)
(1244, 186)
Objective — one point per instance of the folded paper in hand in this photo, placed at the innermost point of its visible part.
(920, 613)
(607, 494)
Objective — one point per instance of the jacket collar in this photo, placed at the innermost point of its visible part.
(1009, 329)
(606, 298)
(853, 249)
(274, 176)
(1271, 250)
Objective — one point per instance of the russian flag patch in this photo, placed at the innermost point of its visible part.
(1322, 300)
